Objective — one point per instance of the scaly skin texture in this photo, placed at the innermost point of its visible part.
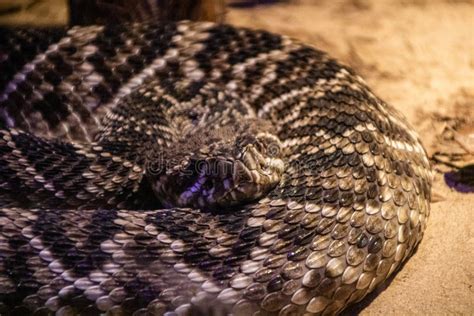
(83, 113)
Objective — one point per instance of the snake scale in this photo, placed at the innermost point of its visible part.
(195, 168)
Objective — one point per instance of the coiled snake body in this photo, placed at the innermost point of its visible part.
(114, 192)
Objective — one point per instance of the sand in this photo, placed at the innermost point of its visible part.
(419, 56)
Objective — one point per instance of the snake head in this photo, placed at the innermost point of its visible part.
(218, 171)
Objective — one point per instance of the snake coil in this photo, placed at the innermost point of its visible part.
(103, 207)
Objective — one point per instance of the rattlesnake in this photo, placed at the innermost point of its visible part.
(104, 207)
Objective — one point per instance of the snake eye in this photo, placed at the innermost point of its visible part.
(208, 185)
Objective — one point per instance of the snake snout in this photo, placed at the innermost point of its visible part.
(260, 166)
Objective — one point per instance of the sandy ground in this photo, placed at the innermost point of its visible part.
(419, 56)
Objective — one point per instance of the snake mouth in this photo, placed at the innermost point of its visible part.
(221, 182)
